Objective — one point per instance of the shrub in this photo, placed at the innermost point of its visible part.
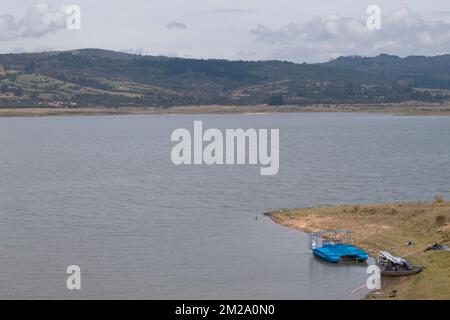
(439, 198)
(440, 220)
(276, 100)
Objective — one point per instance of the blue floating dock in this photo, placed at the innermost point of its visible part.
(337, 249)
(337, 252)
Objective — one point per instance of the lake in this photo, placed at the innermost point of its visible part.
(101, 192)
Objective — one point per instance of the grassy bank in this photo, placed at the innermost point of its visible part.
(399, 109)
(389, 227)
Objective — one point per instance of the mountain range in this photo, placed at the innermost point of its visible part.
(102, 78)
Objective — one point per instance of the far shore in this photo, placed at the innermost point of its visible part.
(404, 229)
(410, 108)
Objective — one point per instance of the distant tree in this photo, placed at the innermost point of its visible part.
(62, 77)
(29, 67)
(17, 91)
(276, 100)
(401, 89)
(34, 95)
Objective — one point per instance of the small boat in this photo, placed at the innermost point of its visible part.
(334, 246)
(382, 294)
(437, 246)
(392, 266)
(400, 273)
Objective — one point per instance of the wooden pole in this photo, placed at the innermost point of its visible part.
(357, 289)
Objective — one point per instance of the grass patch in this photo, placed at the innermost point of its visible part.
(388, 227)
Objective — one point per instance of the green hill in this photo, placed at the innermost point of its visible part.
(93, 77)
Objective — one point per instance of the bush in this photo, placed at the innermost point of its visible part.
(276, 100)
(439, 198)
(440, 220)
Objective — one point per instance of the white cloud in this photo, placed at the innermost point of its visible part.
(176, 25)
(40, 19)
(403, 32)
(136, 51)
(43, 49)
(8, 27)
(232, 11)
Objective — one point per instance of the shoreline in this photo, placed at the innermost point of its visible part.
(407, 109)
(389, 227)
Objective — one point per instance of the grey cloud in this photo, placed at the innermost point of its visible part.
(403, 32)
(442, 13)
(176, 25)
(40, 19)
(246, 55)
(43, 49)
(230, 11)
(18, 50)
(8, 27)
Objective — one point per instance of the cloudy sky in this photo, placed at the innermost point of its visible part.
(294, 30)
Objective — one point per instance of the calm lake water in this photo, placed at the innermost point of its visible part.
(102, 193)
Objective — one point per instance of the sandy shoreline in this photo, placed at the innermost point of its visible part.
(397, 109)
(388, 227)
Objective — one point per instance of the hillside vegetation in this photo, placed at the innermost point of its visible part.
(93, 77)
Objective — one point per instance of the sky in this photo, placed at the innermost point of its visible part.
(293, 30)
